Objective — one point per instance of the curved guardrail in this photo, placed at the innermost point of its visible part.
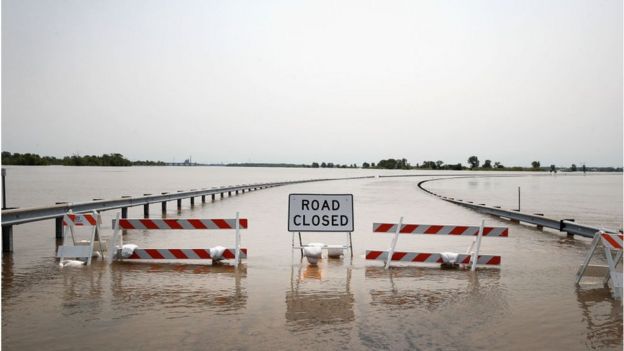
(562, 225)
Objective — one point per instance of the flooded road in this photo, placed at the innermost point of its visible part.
(275, 300)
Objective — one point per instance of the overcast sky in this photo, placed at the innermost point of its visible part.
(334, 81)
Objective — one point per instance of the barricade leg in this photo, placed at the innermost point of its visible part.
(394, 242)
(616, 279)
(91, 245)
(237, 251)
(475, 254)
(111, 246)
(617, 259)
(588, 258)
(65, 231)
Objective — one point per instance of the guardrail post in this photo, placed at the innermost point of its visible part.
(229, 193)
(213, 197)
(164, 204)
(222, 195)
(146, 208)
(540, 227)
(58, 227)
(179, 202)
(7, 238)
(562, 226)
(236, 192)
(514, 220)
(124, 210)
(59, 223)
(203, 199)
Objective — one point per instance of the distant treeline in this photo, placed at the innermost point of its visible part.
(487, 165)
(107, 160)
(117, 160)
(402, 163)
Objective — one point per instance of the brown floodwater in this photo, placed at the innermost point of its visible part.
(275, 300)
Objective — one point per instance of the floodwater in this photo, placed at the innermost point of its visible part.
(276, 301)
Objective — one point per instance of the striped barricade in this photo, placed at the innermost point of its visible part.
(80, 250)
(612, 241)
(471, 257)
(182, 254)
(125, 252)
(181, 223)
(612, 244)
(439, 229)
(80, 219)
(430, 257)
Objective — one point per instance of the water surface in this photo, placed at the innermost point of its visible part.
(276, 301)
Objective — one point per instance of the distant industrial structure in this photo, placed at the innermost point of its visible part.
(187, 162)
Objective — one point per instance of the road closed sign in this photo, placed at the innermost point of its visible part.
(320, 213)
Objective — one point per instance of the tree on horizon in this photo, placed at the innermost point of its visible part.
(473, 161)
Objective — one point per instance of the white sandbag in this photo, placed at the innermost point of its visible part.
(216, 253)
(71, 263)
(127, 250)
(449, 257)
(335, 251)
(313, 253)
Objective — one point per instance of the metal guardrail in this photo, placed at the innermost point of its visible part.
(26, 215)
(11, 217)
(563, 225)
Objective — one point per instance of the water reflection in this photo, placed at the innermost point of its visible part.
(178, 289)
(15, 281)
(319, 296)
(603, 316)
(428, 288)
(83, 291)
(7, 271)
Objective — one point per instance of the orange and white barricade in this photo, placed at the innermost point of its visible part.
(119, 251)
(612, 244)
(471, 257)
(81, 250)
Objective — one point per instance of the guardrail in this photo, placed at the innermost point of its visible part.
(564, 225)
(11, 217)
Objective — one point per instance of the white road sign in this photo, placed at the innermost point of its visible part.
(320, 213)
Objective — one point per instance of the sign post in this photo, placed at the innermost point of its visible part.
(321, 213)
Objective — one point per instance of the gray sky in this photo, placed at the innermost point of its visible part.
(334, 81)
